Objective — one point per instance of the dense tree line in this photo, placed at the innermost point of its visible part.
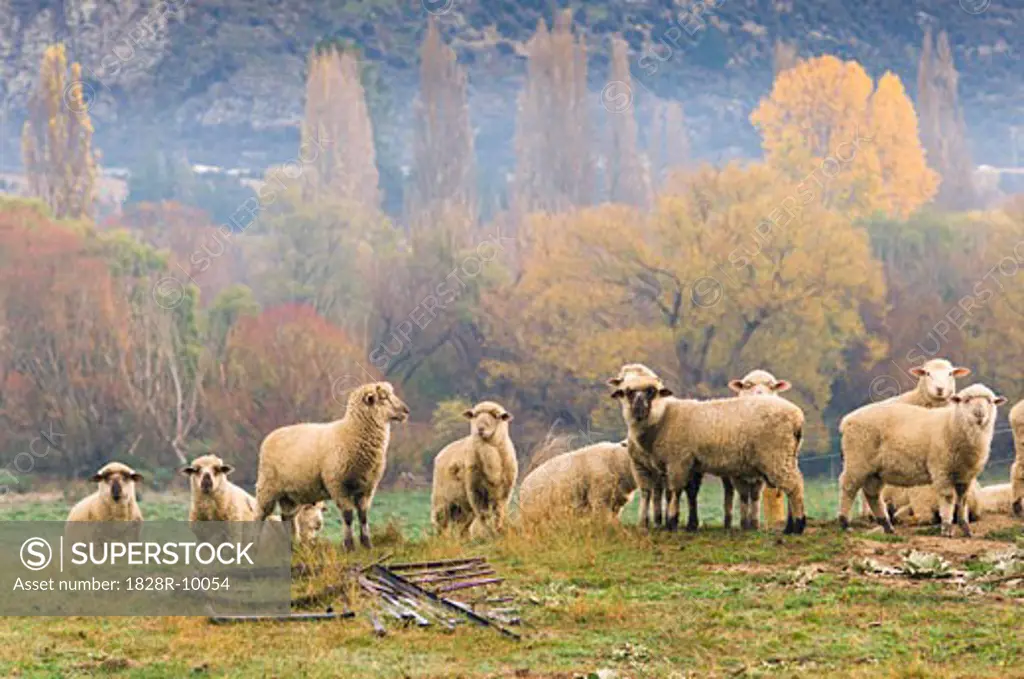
(838, 261)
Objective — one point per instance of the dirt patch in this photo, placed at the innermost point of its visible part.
(956, 549)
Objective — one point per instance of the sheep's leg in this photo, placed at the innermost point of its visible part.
(946, 495)
(264, 506)
(901, 515)
(645, 503)
(961, 498)
(873, 496)
(848, 489)
(672, 511)
(1017, 492)
(728, 491)
(792, 484)
(364, 525)
(659, 497)
(692, 490)
(755, 504)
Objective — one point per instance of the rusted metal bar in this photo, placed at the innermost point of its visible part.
(399, 582)
(466, 585)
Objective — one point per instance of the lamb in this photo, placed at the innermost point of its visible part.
(650, 475)
(755, 382)
(114, 499)
(997, 499)
(474, 476)
(309, 521)
(342, 460)
(921, 504)
(596, 479)
(905, 445)
(755, 436)
(214, 497)
(1017, 468)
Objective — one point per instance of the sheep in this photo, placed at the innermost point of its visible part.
(214, 497)
(650, 475)
(597, 478)
(755, 382)
(342, 460)
(309, 521)
(474, 476)
(922, 504)
(997, 499)
(906, 445)
(936, 383)
(755, 436)
(114, 499)
(1017, 468)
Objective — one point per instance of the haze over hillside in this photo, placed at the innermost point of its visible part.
(222, 80)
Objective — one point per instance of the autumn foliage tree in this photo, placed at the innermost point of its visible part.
(694, 289)
(626, 176)
(57, 139)
(820, 123)
(337, 153)
(554, 163)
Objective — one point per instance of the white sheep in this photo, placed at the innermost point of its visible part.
(309, 521)
(213, 496)
(474, 476)
(649, 473)
(756, 382)
(1017, 468)
(756, 436)
(343, 460)
(114, 499)
(920, 504)
(906, 445)
(594, 479)
(996, 499)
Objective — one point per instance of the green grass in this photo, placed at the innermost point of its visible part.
(592, 596)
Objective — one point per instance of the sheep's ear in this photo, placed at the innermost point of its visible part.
(618, 393)
(999, 400)
(736, 385)
(614, 382)
(506, 416)
(956, 398)
(781, 385)
(225, 469)
(664, 392)
(369, 398)
(98, 477)
(917, 372)
(188, 470)
(136, 477)
(961, 372)
(468, 414)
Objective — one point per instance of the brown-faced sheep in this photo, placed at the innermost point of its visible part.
(342, 460)
(114, 499)
(474, 476)
(906, 445)
(595, 479)
(1017, 468)
(751, 493)
(650, 475)
(756, 436)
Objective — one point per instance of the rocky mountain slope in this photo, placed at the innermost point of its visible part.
(222, 79)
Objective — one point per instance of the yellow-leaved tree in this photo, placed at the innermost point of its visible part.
(725, 275)
(825, 126)
(56, 141)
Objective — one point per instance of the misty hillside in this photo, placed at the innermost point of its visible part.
(222, 80)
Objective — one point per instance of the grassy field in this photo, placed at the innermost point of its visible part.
(595, 597)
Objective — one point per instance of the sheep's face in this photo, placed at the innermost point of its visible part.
(311, 518)
(632, 370)
(977, 405)
(937, 379)
(759, 382)
(117, 481)
(486, 419)
(642, 399)
(207, 474)
(380, 397)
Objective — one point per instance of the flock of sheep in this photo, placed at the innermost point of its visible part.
(914, 455)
